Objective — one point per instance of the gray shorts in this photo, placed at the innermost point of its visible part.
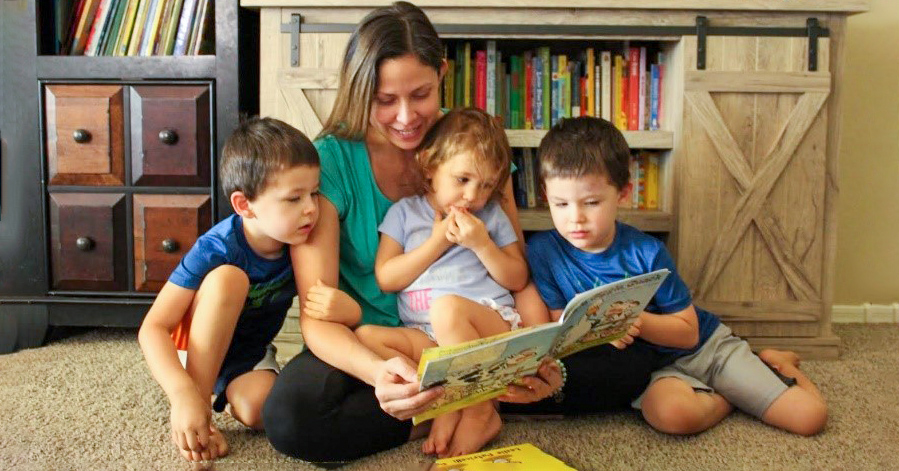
(726, 365)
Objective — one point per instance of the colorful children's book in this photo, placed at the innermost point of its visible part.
(511, 458)
(482, 369)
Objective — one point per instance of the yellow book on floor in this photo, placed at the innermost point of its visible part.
(511, 458)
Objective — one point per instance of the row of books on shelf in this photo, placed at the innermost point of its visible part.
(134, 27)
(644, 170)
(536, 88)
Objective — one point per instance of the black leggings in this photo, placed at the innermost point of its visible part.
(318, 413)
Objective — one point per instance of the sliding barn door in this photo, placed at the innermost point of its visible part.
(752, 170)
(302, 93)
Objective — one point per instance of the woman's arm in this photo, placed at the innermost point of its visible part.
(511, 210)
(329, 336)
(678, 329)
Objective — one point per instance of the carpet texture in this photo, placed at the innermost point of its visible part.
(87, 402)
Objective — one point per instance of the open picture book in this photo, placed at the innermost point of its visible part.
(482, 369)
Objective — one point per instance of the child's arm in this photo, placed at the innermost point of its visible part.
(506, 265)
(396, 270)
(678, 329)
(191, 412)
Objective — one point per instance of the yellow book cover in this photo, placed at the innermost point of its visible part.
(651, 184)
(482, 369)
(121, 45)
(146, 46)
(466, 68)
(524, 457)
(449, 89)
(591, 80)
(619, 69)
(138, 31)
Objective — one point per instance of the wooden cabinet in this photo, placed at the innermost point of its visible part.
(88, 248)
(108, 168)
(85, 141)
(165, 228)
(751, 98)
(170, 152)
(170, 135)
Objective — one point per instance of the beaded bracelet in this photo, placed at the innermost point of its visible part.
(559, 396)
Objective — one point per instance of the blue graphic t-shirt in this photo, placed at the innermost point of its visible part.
(272, 286)
(561, 271)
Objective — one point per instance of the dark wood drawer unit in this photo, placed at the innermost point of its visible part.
(170, 135)
(165, 228)
(88, 244)
(165, 201)
(89, 145)
(85, 134)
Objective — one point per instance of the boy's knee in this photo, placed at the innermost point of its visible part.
(226, 279)
(675, 416)
(809, 417)
(248, 411)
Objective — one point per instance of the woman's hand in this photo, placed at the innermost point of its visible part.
(396, 387)
(538, 387)
(331, 304)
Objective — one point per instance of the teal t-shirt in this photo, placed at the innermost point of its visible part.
(349, 184)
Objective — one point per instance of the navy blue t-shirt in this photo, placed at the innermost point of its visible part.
(561, 271)
(272, 286)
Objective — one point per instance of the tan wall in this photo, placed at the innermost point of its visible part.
(867, 263)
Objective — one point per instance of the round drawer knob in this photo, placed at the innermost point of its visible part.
(168, 136)
(84, 244)
(81, 136)
(169, 245)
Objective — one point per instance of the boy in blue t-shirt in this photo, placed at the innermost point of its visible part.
(584, 166)
(228, 297)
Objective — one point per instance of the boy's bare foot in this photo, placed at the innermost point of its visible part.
(217, 447)
(478, 425)
(779, 358)
(442, 430)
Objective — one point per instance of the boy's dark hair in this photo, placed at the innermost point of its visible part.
(259, 148)
(581, 146)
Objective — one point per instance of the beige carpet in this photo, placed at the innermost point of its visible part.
(87, 402)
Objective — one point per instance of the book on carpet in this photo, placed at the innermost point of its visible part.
(511, 458)
(482, 369)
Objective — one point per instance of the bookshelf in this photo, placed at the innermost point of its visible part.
(108, 165)
(749, 150)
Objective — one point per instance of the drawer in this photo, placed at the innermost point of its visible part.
(88, 242)
(170, 135)
(165, 228)
(85, 134)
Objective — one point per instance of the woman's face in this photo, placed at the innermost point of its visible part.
(406, 102)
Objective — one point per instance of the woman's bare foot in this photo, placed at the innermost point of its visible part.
(778, 358)
(478, 425)
(442, 430)
(216, 448)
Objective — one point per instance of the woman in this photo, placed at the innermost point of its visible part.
(339, 401)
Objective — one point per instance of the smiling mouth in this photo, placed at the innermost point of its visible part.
(406, 133)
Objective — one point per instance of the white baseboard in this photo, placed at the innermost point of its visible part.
(866, 313)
